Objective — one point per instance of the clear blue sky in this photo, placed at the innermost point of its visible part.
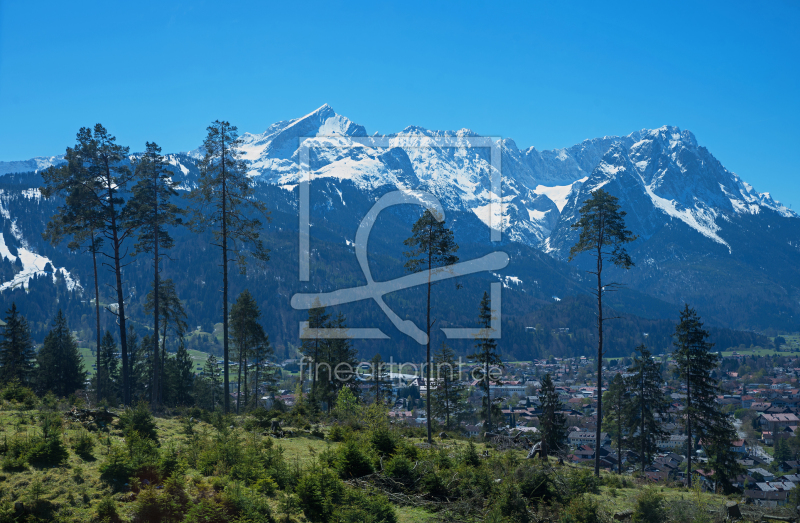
(545, 75)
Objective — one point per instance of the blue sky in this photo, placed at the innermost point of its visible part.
(543, 74)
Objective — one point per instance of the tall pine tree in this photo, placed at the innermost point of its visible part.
(614, 422)
(107, 376)
(432, 246)
(449, 397)
(487, 356)
(695, 363)
(247, 334)
(552, 422)
(647, 405)
(603, 235)
(17, 356)
(59, 365)
(223, 199)
(152, 208)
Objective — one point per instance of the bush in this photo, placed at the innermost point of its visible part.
(351, 461)
(536, 484)
(47, 452)
(106, 510)
(206, 511)
(337, 433)
(115, 469)
(511, 505)
(383, 441)
(83, 445)
(583, 481)
(139, 419)
(649, 507)
(581, 510)
(363, 507)
(17, 392)
(400, 469)
(470, 456)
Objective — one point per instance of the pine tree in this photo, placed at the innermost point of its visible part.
(184, 377)
(223, 196)
(695, 361)
(603, 235)
(313, 348)
(80, 217)
(151, 208)
(141, 367)
(614, 421)
(107, 376)
(265, 372)
(59, 365)
(487, 356)
(16, 349)
(552, 423)
(647, 405)
(247, 334)
(173, 315)
(448, 398)
(342, 358)
(432, 246)
(211, 374)
(381, 384)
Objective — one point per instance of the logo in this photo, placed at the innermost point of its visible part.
(377, 290)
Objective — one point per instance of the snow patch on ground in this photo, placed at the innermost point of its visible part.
(32, 266)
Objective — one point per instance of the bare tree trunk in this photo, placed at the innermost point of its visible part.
(98, 392)
(599, 359)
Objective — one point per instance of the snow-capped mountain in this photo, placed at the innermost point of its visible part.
(697, 221)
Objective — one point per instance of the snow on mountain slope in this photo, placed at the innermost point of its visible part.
(31, 264)
(33, 165)
(664, 172)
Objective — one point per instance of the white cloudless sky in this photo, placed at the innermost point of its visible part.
(546, 74)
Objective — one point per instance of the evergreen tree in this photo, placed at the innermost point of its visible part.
(695, 361)
(603, 235)
(141, 367)
(173, 315)
(211, 374)
(184, 377)
(552, 423)
(722, 459)
(614, 422)
(647, 406)
(381, 384)
(152, 209)
(247, 335)
(449, 397)
(80, 217)
(59, 366)
(313, 348)
(17, 356)
(264, 371)
(222, 198)
(107, 376)
(343, 360)
(432, 246)
(487, 356)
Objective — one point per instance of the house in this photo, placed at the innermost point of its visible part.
(761, 472)
(674, 442)
(578, 438)
(747, 402)
(775, 422)
(739, 446)
(766, 499)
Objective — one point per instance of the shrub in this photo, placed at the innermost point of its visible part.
(583, 481)
(536, 484)
(106, 510)
(383, 441)
(352, 462)
(649, 507)
(139, 419)
(17, 392)
(401, 469)
(115, 468)
(83, 444)
(47, 452)
(511, 504)
(337, 433)
(470, 456)
(206, 511)
(363, 507)
(581, 510)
